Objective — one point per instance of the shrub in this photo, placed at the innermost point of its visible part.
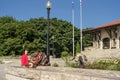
(55, 65)
(65, 56)
(73, 65)
(116, 61)
(95, 65)
(104, 64)
(112, 67)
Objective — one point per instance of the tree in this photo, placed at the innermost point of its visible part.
(78, 47)
(32, 35)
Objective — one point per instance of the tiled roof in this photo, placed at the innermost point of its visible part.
(110, 24)
(106, 25)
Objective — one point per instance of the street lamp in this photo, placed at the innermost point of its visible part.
(48, 6)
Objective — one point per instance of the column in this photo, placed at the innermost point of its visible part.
(117, 43)
(110, 43)
(101, 44)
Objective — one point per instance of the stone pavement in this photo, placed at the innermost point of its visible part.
(7, 63)
(2, 73)
(91, 73)
(60, 73)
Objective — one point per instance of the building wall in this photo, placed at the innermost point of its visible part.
(104, 34)
(114, 42)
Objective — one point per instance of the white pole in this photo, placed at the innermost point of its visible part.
(73, 26)
(81, 24)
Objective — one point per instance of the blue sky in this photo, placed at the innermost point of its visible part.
(95, 12)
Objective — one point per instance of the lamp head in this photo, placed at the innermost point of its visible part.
(48, 5)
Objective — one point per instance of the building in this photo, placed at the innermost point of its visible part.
(106, 36)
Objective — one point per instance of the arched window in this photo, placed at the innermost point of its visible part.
(106, 43)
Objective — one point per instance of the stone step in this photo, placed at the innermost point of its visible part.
(102, 54)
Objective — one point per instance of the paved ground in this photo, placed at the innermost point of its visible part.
(2, 74)
(2, 67)
(16, 62)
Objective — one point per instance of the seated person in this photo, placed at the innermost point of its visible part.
(24, 59)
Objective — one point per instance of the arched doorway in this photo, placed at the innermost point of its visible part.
(106, 43)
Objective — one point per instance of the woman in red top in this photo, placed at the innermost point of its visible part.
(24, 59)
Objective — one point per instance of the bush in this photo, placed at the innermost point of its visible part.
(95, 65)
(73, 65)
(112, 67)
(65, 56)
(104, 65)
(55, 65)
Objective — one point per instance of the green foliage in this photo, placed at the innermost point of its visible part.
(87, 40)
(71, 64)
(64, 56)
(109, 61)
(112, 67)
(78, 48)
(104, 64)
(55, 65)
(7, 19)
(16, 36)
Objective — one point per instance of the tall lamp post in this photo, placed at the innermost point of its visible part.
(48, 7)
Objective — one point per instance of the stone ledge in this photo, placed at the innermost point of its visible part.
(13, 77)
(28, 73)
(60, 73)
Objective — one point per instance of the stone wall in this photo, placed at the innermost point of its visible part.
(59, 73)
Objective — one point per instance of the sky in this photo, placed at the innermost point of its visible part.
(94, 12)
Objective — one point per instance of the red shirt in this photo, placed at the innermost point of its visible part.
(24, 59)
